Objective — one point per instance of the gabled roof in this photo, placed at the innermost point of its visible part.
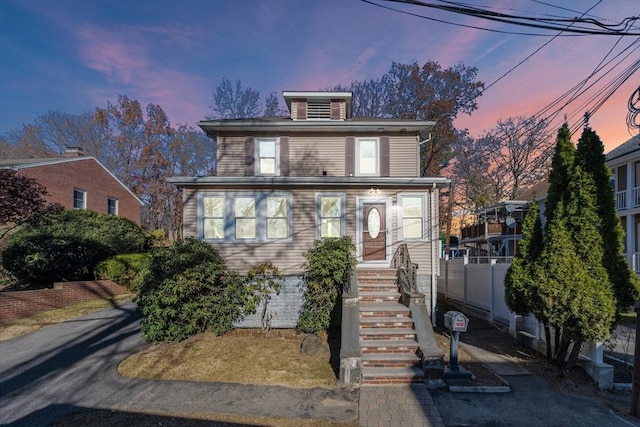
(17, 164)
(628, 147)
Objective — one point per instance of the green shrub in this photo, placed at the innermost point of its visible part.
(327, 270)
(69, 245)
(188, 289)
(125, 270)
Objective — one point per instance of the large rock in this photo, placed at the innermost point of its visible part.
(313, 346)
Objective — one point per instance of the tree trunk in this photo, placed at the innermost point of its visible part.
(547, 335)
(561, 353)
(575, 352)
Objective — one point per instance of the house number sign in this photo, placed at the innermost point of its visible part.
(373, 220)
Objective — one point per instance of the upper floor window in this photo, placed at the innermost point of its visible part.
(112, 206)
(79, 199)
(367, 157)
(411, 216)
(267, 157)
(330, 215)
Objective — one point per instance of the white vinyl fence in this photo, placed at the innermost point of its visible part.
(478, 284)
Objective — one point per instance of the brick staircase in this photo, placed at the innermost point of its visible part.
(387, 336)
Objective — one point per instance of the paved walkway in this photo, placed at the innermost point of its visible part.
(398, 405)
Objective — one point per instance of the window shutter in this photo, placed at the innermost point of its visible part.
(385, 165)
(350, 156)
(301, 110)
(284, 156)
(249, 156)
(335, 110)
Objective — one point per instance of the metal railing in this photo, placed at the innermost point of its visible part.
(407, 270)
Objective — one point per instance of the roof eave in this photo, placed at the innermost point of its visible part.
(298, 181)
(329, 126)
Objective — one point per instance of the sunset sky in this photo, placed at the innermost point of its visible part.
(74, 56)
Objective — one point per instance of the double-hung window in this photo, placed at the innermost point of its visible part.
(213, 217)
(245, 217)
(79, 199)
(412, 216)
(330, 215)
(277, 218)
(367, 157)
(267, 155)
(112, 206)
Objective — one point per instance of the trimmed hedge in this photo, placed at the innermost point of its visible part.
(125, 270)
(69, 245)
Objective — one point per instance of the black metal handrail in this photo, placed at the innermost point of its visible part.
(407, 270)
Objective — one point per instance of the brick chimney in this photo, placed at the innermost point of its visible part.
(74, 152)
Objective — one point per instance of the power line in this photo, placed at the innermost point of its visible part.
(621, 28)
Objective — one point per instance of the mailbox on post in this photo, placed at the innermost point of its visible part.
(455, 322)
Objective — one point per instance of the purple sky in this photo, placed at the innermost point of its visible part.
(73, 56)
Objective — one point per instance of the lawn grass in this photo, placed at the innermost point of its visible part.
(26, 325)
(232, 359)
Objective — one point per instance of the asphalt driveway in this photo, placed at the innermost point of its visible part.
(71, 367)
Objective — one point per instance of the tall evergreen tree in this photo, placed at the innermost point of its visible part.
(590, 156)
(519, 282)
(563, 160)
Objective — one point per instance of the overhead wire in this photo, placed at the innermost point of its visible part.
(529, 21)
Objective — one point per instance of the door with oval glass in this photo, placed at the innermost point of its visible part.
(374, 233)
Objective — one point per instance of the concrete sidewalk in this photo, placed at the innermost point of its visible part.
(529, 403)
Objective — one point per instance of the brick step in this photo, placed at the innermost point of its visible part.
(390, 360)
(377, 272)
(386, 322)
(384, 334)
(376, 376)
(388, 346)
(378, 296)
(378, 287)
(382, 309)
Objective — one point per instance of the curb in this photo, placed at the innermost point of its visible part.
(479, 389)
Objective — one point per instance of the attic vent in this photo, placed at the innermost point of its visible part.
(318, 109)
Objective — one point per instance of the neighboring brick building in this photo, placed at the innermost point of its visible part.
(79, 182)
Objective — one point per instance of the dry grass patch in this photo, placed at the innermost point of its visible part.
(232, 359)
(30, 324)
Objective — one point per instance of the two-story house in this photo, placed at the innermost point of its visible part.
(76, 181)
(624, 162)
(284, 182)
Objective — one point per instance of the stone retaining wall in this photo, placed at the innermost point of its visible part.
(14, 305)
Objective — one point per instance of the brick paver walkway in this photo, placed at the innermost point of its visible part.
(408, 405)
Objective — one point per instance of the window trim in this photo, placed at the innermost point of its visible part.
(84, 199)
(400, 217)
(343, 209)
(229, 217)
(358, 141)
(276, 141)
